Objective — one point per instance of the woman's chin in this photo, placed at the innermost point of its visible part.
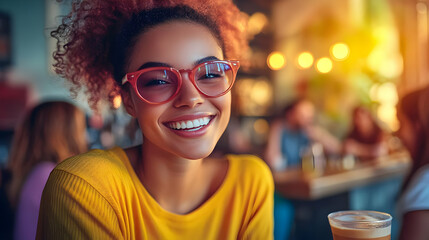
(197, 152)
(196, 155)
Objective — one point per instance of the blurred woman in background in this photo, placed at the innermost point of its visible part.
(366, 140)
(50, 133)
(413, 206)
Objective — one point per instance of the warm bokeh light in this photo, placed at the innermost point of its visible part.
(305, 60)
(261, 126)
(245, 85)
(254, 96)
(390, 66)
(387, 114)
(256, 23)
(261, 92)
(117, 101)
(340, 51)
(385, 93)
(387, 96)
(276, 60)
(324, 65)
(373, 91)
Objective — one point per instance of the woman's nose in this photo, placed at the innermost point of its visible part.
(188, 95)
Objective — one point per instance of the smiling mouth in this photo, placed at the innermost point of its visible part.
(190, 125)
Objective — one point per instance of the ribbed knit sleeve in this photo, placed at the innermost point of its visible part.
(72, 209)
(261, 199)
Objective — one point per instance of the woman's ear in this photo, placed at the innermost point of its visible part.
(128, 101)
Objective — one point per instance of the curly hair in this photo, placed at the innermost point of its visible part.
(92, 45)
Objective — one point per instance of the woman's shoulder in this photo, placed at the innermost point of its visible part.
(95, 163)
(247, 160)
(250, 167)
(250, 177)
(416, 196)
(420, 178)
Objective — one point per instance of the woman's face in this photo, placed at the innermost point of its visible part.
(363, 122)
(305, 113)
(302, 115)
(181, 45)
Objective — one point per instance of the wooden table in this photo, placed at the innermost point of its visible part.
(295, 184)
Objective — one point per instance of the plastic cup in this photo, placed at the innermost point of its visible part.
(360, 225)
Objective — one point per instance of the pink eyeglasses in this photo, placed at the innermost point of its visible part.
(158, 85)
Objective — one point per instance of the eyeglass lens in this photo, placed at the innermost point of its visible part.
(212, 79)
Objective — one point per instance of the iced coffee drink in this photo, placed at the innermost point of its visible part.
(360, 225)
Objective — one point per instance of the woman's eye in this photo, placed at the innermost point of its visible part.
(155, 82)
(210, 75)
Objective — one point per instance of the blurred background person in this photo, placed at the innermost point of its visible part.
(413, 205)
(293, 132)
(366, 139)
(50, 133)
(291, 135)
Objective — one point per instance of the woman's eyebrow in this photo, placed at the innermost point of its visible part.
(153, 64)
(209, 58)
(160, 64)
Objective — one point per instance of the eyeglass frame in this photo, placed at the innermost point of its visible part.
(133, 76)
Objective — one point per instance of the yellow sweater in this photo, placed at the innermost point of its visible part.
(97, 195)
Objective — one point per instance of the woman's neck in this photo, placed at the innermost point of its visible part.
(179, 185)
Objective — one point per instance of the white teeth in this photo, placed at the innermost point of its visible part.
(196, 123)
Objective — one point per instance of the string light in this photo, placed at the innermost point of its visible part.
(276, 61)
(305, 60)
(340, 51)
(324, 65)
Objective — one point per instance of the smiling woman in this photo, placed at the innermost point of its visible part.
(174, 63)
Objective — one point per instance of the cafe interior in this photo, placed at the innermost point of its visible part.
(345, 63)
